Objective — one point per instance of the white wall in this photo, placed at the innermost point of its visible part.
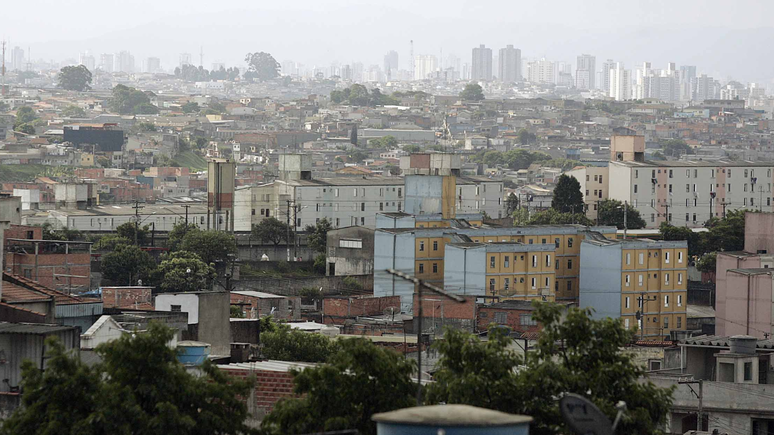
(189, 303)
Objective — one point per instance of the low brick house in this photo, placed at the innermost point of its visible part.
(516, 315)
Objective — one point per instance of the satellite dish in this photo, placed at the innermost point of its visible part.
(583, 417)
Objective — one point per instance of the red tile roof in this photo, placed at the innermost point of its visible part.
(24, 289)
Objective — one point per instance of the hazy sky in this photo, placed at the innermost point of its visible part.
(723, 38)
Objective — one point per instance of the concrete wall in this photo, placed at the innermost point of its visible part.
(337, 309)
(424, 194)
(214, 323)
(600, 279)
(292, 287)
(467, 274)
(396, 251)
(724, 263)
(759, 232)
(748, 304)
(384, 221)
(350, 260)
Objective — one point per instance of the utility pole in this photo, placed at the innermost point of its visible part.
(287, 240)
(723, 203)
(136, 208)
(700, 396)
(295, 236)
(641, 302)
(420, 285)
(666, 215)
(186, 216)
(626, 212)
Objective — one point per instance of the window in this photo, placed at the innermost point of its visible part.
(548, 261)
(355, 191)
(641, 258)
(569, 286)
(639, 280)
(362, 206)
(666, 257)
(435, 267)
(556, 242)
(679, 278)
(628, 279)
(569, 264)
(627, 302)
(534, 282)
(679, 256)
(501, 318)
(175, 308)
(534, 261)
(400, 192)
(557, 264)
(626, 323)
(596, 177)
(670, 188)
(628, 258)
(351, 243)
(506, 284)
(336, 192)
(548, 282)
(635, 188)
(421, 246)
(666, 300)
(712, 173)
(492, 262)
(600, 179)
(569, 242)
(666, 279)
(507, 261)
(543, 241)
(679, 300)
(381, 206)
(421, 268)
(748, 367)
(670, 174)
(527, 320)
(362, 221)
(666, 322)
(744, 188)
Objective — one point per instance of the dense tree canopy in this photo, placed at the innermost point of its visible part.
(318, 235)
(676, 148)
(128, 230)
(527, 138)
(212, 246)
(111, 242)
(357, 382)
(129, 101)
(472, 92)
(74, 78)
(138, 388)
(611, 212)
(555, 217)
(388, 142)
(280, 342)
(184, 271)
(568, 197)
(179, 230)
(262, 66)
(73, 112)
(726, 234)
(271, 230)
(127, 264)
(514, 159)
(359, 95)
(575, 354)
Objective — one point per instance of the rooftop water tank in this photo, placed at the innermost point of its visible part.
(450, 420)
(192, 353)
(742, 344)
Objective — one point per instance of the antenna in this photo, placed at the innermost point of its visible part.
(29, 59)
(411, 58)
(201, 56)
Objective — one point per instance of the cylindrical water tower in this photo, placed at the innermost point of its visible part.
(450, 420)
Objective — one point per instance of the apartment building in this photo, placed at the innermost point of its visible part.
(642, 282)
(681, 192)
(427, 253)
(593, 180)
(351, 201)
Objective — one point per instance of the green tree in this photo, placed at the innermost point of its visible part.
(262, 66)
(611, 212)
(286, 344)
(357, 155)
(147, 127)
(676, 148)
(574, 354)
(696, 244)
(74, 78)
(25, 128)
(707, 262)
(411, 148)
(127, 230)
(472, 92)
(567, 195)
(190, 107)
(184, 271)
(126, 101)
(211, 246)
(138, 388)
(73, 112)
(357, 382)
(179, 230)
(554, 217)
(726, 234)
(511, 203)
(527, 138)
(318, 235)
(353, 136)
(24, 115)
(521, 216)
(388, 142)
(127, 264)
(271, 230)
(65, 233)
(109, 243)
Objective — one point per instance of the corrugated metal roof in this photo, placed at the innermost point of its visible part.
(722, 342)
(32, 328)
(270, 366)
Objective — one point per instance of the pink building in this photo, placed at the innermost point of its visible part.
(744, 283)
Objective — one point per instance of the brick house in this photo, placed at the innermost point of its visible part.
(516, 315)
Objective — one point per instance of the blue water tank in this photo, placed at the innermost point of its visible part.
(450, 420)
(192, 353)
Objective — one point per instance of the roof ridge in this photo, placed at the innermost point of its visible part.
(36, 286)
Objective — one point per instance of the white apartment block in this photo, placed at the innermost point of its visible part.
(346, 201)
(683, 193)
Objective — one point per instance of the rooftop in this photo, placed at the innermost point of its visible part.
(32, 328)
(696, 163)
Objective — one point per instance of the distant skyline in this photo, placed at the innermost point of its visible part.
(722, 40)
